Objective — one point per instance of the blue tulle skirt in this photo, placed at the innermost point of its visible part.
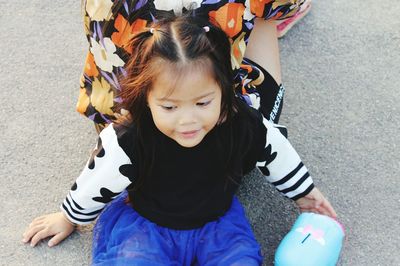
(122, 237)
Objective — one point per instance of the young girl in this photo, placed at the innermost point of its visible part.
(170, 169)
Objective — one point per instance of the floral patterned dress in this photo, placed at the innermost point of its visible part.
(109, 25)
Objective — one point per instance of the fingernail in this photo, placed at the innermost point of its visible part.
(50, 244)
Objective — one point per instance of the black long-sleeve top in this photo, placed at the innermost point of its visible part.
(188, 187)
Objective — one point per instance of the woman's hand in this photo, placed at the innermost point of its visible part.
(316, 202)
(54, 224)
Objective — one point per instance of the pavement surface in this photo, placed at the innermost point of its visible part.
(341, 71)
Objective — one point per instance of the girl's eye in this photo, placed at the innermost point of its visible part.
(203, 103)
(168, 108)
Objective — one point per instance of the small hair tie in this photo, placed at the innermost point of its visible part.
(206, 28)
(151, 30)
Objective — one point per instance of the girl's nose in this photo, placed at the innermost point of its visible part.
(187, 117)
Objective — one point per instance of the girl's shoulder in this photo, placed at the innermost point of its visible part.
(249, 135)
(123, 129)
(247, 125)
(123, 134)
(247, 115)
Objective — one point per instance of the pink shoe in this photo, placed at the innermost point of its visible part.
(285, 25)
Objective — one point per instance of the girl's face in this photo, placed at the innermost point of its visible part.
(185, 110)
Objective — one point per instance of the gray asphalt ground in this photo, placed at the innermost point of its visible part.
(341, 71)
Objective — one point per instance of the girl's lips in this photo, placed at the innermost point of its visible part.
(189, 134)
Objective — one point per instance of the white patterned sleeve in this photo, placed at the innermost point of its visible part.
(282, 166)
(104, 177)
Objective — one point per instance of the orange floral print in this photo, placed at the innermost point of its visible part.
(83, 101)
(110, 24)
(229, 18)
(237, 51)
(290, 3)
(102, 97)
(90, 66)
(126, 31)
(257, 6)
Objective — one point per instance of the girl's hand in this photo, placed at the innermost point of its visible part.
(316, 202)
(54, 224)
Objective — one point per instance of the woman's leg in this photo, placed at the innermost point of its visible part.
(263, 66)
(263, 48)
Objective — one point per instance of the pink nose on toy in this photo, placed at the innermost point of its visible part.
(314, 240)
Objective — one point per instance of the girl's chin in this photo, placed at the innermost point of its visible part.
(189, 140)
(188, 144)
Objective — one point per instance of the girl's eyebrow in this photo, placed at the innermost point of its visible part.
(176, 100)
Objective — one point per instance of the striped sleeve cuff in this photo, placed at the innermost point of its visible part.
(77, 214)
(282, 166)
(296, 184)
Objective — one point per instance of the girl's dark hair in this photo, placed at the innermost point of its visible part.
(177, 42)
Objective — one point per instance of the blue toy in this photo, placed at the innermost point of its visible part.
(314, 240)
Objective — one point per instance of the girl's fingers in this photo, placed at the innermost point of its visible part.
(322, 205)
(31, 232)
(57, 239)
(316, 202)
(309, 210)
(302, 203)
(39, 236)
(36, 221)
(328, 209)
(40, 218)
(321, 210)
(38, 228)
(32, 228)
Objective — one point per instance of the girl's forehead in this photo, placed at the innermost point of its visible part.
(189, 79)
